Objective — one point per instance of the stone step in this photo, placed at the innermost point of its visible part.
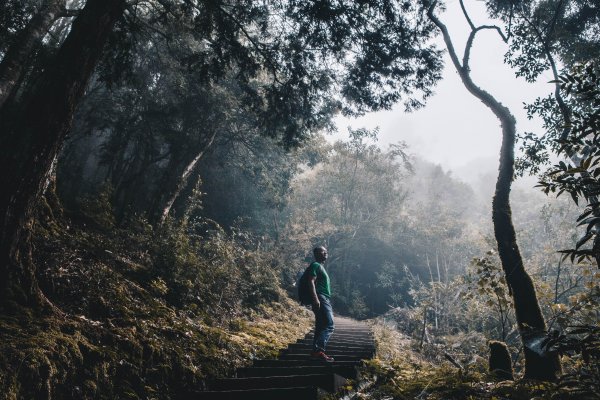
(348, 329)
(338, 342)
(305, 347)
(352, 330)
(347, 338)
(328, 381)
(347, 371)
(298, 393)
(341, 339)
(329, 352)
(301, 363)
(349, 322)
(343, 357)
(295, 376)
(355, 336)
(350, 344)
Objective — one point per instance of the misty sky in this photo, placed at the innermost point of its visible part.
(455, 129)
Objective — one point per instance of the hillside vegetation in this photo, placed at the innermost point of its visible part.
(167, 168)
(142, 314)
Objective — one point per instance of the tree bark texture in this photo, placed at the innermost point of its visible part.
(32, 137)
(178, 183)
(539, 364)
(15, 59)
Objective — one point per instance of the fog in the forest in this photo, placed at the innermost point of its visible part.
(169, 166)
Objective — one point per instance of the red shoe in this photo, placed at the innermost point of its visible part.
(321, 356)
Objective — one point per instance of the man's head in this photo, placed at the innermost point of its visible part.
(320, 253)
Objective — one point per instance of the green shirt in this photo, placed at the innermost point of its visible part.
(322, 283)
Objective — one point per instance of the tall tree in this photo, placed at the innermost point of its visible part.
(545, 35)
(318, 57)
(539, 364)
(34, 142)
(15, 58)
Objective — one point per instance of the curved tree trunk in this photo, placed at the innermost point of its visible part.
(177, 182)
(539, 364)
(32, 138)
(14, 61)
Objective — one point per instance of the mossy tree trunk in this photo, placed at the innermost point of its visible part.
(539, 364)
(176, 179)
(32, 135)
(14, 61)
(500, 363)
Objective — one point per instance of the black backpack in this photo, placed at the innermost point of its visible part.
(303, 284)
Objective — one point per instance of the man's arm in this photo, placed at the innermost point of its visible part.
(316, 304)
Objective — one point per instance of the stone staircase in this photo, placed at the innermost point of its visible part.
(294, 376)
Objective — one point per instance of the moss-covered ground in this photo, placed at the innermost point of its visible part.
(116, 332)
(141, 314)
(403, 370)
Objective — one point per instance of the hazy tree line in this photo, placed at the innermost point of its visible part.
(201, 113)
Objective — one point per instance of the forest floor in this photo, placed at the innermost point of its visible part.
(118, 334)
(405, 370)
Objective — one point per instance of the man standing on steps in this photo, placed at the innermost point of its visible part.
(321, 306)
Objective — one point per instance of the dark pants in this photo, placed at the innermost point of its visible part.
(323, 324)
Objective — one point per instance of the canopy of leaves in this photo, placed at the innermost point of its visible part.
(297, 61)
(580, 180)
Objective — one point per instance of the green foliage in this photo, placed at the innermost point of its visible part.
(536, 150)
(583, 344)
(488, 284)
(573, 133)
(580, 180)
(384, 215)
(400, 372)
(176, 77)
(248, 181)
(542, 36)
(543, 30)
(437, 200)
(14, 16)
(147, 314)
(98, 210)
(352, 203)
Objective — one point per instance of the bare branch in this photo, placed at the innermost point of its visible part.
(466, 14)
(468, 46)
(445, 35)
(497, 29)
(470, 40)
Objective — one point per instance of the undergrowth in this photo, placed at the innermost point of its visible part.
(402, 370)
(144, 314)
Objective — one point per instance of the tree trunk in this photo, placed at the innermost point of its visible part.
(32, 138)
(178, 182)
(15, 59)
(532, 327)
(539, 364)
